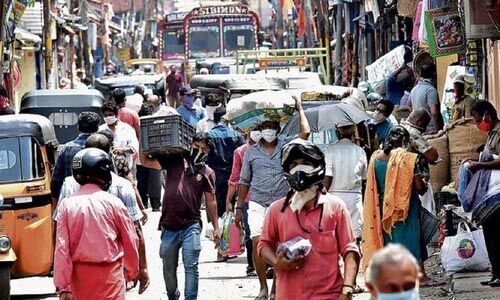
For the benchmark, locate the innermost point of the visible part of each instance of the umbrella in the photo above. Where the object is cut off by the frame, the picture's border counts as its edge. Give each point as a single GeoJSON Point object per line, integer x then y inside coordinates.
{"type": "Point", "coordinates": [326, 117]}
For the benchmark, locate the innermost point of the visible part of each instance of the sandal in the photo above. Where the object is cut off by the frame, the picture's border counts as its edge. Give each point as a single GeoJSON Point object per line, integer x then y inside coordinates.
{"type": "Point", "coordinates": [432, 283]}
{"type": "Point", "coordinates": [358, 290]}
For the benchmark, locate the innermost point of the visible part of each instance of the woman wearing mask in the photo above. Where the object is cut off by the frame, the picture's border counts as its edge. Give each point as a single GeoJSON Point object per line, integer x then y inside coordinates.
{"type": "Point", "coordinates": [483, 200]}
{"type": "Point", "coordinates": [392, 206]}
{"type": "Point", "coordinates": [191, 113]}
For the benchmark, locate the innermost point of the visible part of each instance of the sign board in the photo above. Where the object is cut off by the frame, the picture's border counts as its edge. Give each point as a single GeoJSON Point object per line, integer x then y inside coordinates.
{"type": "Point", "coordinates": [220, 10]}
{"type": "Point", "coordinates": [279, 63]}
{"type": "Point", "coordinates": [18, 10]}
{"type": "Point", "coordinates": [123, 54]}
{"type": "Point", "coordinates": [176, 17]}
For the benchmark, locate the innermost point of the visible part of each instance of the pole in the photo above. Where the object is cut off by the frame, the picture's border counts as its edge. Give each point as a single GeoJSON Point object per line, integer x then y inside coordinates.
{"type": "Point", "coordinates": [340, 43]}
{"type": "Point", "coordinates": [47, 40]}
{"type": "Point", "coordinates": [2, 34]}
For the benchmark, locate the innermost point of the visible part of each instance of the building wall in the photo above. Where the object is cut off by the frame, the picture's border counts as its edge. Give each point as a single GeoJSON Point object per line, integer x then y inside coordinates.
{"type": "Point", "coordinates": [27, 66]}
{"type": "Point", "coordinates": [493, 63]}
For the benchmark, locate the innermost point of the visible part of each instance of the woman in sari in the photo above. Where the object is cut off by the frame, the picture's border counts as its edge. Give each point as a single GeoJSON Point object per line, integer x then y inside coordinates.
{"type": "Point", "coordinates": [392, 206]}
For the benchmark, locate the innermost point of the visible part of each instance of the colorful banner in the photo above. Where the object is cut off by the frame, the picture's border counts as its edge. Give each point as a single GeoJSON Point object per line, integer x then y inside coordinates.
{"type": "Point", "coordinates": [445, 32]}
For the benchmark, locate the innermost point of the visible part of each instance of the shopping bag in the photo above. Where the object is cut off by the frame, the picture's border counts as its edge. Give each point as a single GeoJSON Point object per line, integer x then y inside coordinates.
{"type": "Point", "coordinates": [429, 224]}
{"type": "Point", "coordinates": [466, 251]}
{"type": "Point", "coordinates": [233, 239]}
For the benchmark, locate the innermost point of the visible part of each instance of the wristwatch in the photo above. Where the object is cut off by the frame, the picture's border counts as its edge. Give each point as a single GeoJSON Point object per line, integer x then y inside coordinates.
{"type": "Point", "coordinates": [347, 290]}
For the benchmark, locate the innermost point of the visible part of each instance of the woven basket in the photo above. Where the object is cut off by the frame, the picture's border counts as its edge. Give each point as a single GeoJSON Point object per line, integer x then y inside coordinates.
{"type": "Point", "coordinates": [407, 8]}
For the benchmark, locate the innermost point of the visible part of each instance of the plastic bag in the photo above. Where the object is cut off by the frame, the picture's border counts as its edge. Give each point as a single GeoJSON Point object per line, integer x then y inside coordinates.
{"type": "Point", "coordinates": [233, 239]}
{"type": "Point", "coordinates": [295, 247]}
{"type": "Point", "coordinates": [466, 251]}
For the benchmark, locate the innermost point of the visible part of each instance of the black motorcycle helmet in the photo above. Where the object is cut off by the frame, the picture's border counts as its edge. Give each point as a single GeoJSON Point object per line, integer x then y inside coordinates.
{"type": "Point", "coordinates": [92, 165]}
{"type": "Point", "coordinates": [307, 151]}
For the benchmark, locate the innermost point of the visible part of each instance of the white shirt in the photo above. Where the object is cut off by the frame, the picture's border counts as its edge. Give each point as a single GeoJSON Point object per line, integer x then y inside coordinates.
{"type": "Point", "coordinates": [346, 163]}
{"type": "Point", "coordinates": [124, 136]}
{"type": "Point", "coordinates": [204, 125]}
{"type": "Point", "coordinates": [134, 102]}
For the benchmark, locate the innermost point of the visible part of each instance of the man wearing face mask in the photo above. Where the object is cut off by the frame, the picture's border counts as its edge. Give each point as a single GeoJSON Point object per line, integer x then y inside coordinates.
{"type": "Point", "coordinates": [191, 113]}
{"type": "Point", "coordinates": [124, 141]}
{"type": "Point", "coordinates": [207, 123]}
{"type": "Point", "coordinates": [187, 181]}
{"type": "Point", "coordinates": [380, 126]}
{"type": "Point", "coordinates": [323, 219]}
{"type": "Point", "coordinates": [463, 103]}
{"type": "Point", "coordinates": [253, 138]}
{"type": "Point", "coordinates": [486, 209]}
{"type": "Point", "coordinates": [262, 179]}
{"type": "Point", "coordinates": [393, 273]}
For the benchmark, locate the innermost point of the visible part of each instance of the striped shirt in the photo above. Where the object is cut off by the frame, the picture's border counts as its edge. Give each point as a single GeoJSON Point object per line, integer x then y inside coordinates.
{"type": "Point", "coordinates": [263, 174]}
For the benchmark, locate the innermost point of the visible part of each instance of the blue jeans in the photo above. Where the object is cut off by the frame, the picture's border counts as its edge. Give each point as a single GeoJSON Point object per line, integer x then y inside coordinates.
{"type": "Point", "coordinates": [171, 242]}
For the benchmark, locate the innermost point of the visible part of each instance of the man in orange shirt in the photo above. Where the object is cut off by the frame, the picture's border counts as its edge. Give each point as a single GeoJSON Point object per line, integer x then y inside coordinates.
{"type": "Point", "coordinates": [309, 213]}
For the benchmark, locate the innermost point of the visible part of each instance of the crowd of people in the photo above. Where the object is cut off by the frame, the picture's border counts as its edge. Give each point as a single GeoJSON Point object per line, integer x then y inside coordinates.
{"type": "Point", "coordinates": [356, 202]}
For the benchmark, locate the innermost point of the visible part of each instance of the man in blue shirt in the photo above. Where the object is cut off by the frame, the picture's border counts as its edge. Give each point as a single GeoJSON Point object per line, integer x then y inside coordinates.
{"type": "Point", "coordinates": [403, 79]}
{"type": "Point", "coordinates": [191, 113]}
{"type": "Point", "coordinates": [380, 126]}
{"type": "Point", "coordinates": [88, 123]}
{"type": "Point", "coordinates": [222, 143]}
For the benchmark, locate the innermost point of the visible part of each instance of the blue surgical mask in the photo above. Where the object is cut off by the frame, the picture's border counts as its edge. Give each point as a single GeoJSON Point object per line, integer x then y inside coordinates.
{"type": "Point", "coordinates": [188, 101]}
{"type": "Point", "coordinates": [412, 294]}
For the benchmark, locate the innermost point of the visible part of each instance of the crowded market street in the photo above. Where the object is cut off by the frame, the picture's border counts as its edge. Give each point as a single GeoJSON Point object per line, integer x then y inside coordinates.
{"type": "Point", "coordinates": [250, 149]}
{"type": "Point", "coordinates": [227, 281]}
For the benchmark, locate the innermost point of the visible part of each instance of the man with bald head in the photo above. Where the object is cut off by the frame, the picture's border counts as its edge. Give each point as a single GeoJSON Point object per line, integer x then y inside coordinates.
{"type": "Point", "coordinates": [416, 125]}
{"type": "Point", "coordinates": [154, 100]}
{"type": "Point", "coordinates": [393, 273]}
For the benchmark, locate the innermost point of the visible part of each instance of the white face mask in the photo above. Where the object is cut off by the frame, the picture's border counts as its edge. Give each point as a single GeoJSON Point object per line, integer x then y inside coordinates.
{"type": "Point", "coordinates": [299, 199]}
{"type": "Point", "coordinates": [412, 294]}
{"type": "Point", "coordinates": [256, 135]}
{"type": "Point", "coordinates": [210, 110]}
{"type": "Point", "coordinates": [110, 120]}
{"type": "Point", "coordinates": [269, 135]}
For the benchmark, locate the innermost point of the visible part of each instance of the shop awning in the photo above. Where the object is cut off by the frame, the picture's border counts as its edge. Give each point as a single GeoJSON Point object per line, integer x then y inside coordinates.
{"type": "Point", "coordinates": [25, 36]}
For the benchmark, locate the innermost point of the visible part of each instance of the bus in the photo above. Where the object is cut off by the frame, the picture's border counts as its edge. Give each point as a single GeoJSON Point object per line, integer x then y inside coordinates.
{"type": "Point", "coordinates": [210, 30]}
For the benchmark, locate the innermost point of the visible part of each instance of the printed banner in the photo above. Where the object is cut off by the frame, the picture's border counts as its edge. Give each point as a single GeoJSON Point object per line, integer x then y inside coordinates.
{"type": "Point", "coordinates": [445, 32]}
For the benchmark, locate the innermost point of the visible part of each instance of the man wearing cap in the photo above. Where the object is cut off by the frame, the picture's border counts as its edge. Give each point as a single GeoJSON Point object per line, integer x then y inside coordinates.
{"type": "Point", "coordinates": [463, 103]}
{"type": "Point", "coordinates": [191, 113]}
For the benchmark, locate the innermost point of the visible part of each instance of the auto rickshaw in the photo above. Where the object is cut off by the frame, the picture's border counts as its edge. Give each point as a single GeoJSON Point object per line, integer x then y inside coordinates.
{"type": "Point", "coordinates": [62, 108]}
{"type": "Point", "coordinates": [27, 149]}
{"type": "Point", "coordinates": [154, 83]}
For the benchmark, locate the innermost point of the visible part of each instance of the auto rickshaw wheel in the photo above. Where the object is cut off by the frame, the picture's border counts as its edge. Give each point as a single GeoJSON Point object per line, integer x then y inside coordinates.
{"type": "Point", "coordinates": [4, 281]}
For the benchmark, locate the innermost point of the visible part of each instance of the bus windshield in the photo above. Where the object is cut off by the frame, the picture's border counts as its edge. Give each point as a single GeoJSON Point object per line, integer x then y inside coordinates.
{"type": "Point", "coordinates": [20, 160]}
{"type": "Point", "coordinates": [204, 42]}
{"type": "Point", "coordinates": [173, 44]}
{"type": "Point", "coordinates": [238, 37]}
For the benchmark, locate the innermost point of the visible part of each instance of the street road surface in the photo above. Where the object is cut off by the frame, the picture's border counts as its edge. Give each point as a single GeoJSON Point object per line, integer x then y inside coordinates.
{"type": "Point", "coordinates": [224, 281]}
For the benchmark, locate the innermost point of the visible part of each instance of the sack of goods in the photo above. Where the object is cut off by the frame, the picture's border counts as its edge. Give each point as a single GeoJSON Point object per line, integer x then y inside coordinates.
{"type": "Point", "coordinates": [168, 134]}
{"type": "Point", "coordinates": [440, 173]}
{"type": "Point", "coordinates": [464, 138]}
{"type": "Point", "coordinates": [251, 110]}
{"type": "Point", "coordinates": [466, 251]}
{"type": "Point", "coordinates": [233, 239]}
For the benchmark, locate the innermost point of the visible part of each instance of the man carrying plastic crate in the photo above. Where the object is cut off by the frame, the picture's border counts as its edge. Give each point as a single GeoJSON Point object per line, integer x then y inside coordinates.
{"type": "Point", "coordinates": [187, 181]}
